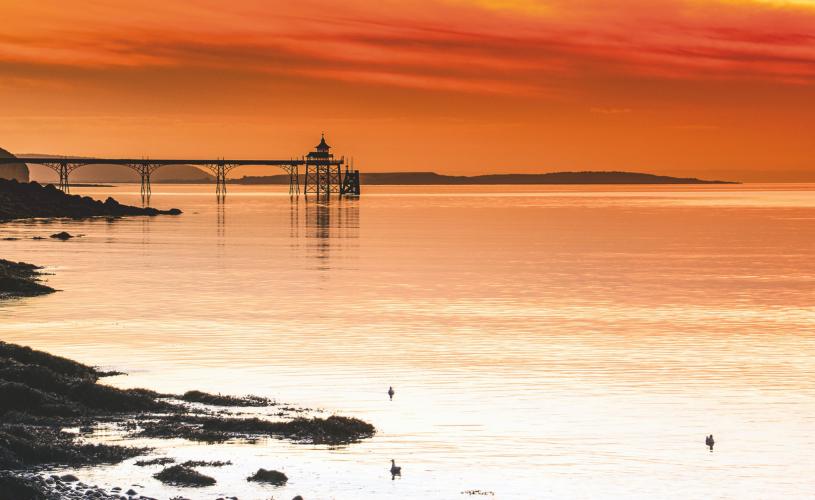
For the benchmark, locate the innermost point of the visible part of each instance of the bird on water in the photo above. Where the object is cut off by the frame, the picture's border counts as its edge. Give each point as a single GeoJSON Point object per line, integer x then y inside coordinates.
{"type": "Point", "coordinates": [391, 392]}
{"type": "Point", "coordinates": [395, 471]}
{"type": "Point", "coordinates": [710, 442]}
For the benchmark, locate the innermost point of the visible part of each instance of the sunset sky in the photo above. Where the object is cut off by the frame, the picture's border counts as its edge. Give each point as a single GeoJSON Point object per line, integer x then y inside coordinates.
{"type": "Point", "coordinates": [710, 88]}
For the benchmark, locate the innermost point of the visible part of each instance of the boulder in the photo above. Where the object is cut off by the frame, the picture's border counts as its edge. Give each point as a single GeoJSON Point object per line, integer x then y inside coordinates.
{"type": "Point", "coordinates": [178, 475]}
{"type": "Point", "coordinates": [274, 477]}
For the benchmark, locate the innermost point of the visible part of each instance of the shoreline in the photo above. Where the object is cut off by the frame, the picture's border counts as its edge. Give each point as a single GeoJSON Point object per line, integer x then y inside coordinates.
{"type": "Point", "coordinates": [43, 395]}
{"type": "Point", "coordinates": [31, 200]}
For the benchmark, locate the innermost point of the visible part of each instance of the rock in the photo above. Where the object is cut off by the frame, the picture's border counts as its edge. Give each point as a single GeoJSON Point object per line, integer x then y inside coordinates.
{"type": "Point", "coordinates": [220, 400]}
{"type": "Point", "coordinates": [332, 430]}
{"type": "Point", "coordinates": [298, 497]}
{"type": "Point", "coordinates": [14, 486]}
{"type": "Point", "coordinates": [203, 463]}
{"type": "Point", "coordinates": [62, 236]}
{"type": "Point", "coordinates": [33, 200]}
{"type": "Point", "coordinates": [18, 279]}
{"type": "Point", "coordinates": [274, 477]}
{"type": "Point", "coordinates": [156, 461]}
{"type": "Point", "coordinates": [178, 475]}
{"type": "Point", "coordinates": [42, 394]}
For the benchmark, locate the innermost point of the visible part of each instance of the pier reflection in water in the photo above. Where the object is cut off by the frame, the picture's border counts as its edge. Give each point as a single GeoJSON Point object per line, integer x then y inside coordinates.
{"type": "Point", "coordinates": [330, 223]}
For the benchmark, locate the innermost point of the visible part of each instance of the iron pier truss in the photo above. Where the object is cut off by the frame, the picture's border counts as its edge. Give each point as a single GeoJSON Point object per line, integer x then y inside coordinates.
{"type": "Point", "coordinates": [323, 172]}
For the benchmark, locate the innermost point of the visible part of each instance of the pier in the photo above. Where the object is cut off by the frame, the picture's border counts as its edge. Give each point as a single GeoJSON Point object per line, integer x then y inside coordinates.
{"type": "Point", "coordinates": [323, 173]}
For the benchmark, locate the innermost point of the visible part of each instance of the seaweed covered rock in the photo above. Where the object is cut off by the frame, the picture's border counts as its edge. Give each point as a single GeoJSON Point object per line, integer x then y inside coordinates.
{"type": "Point", "coordinates": [62, 235]}
{"type": "Point", "coordinates": [204, 463]}
{"type": "Point", "coordinates": [333, 430]}
{"type": "Point", "coordinates": [178, 475]}
{"type": "Point", "coordinates": [220, 400]}
{"type": "Point", "coordinates": [40, 384]}
{"type": "Point", "coordinates": [13, 487]}
{"type": "Point", "coordinates": [18, 279]}
{"type": "Point", "coordinates": [156, 461]}
{"type": "Point", "coordinates": [29, 445]}
{"type": "Point", "coordinates": [29, 200]}
{"type": "Point", "coordinates": [41, 394]}
{"type": "Point", "coordinates": [274, 477]}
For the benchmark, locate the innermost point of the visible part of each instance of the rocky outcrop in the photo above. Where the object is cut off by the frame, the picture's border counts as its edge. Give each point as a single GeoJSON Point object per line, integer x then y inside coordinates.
{"type": "Point", "coordinates": [178, 475]}
{"type": "Point", "coordinates": [18, 279]}
{"type": "Point", "coordinates": [274, 477]}
{"type": "Point", "coordinates": [21, 200]}
{"type": "Point", "coordinates": [42, 395]}
{"type": "Point", "coordinates": [16, 171]}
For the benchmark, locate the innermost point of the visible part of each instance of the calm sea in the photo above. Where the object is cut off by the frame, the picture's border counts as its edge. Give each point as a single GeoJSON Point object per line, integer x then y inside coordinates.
{"type": "Point", "coordinates": [543, 342]}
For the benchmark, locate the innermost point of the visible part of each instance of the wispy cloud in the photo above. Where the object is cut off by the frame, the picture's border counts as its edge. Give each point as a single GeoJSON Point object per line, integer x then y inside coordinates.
{"type": "Point", "coordinates": [610, 111]}
{"type": "Point", "coordinates": [462, 44]}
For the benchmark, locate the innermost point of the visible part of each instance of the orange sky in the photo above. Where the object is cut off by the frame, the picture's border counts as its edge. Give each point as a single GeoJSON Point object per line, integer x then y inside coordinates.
{"type": "Point", "coordinates": [711, 88]}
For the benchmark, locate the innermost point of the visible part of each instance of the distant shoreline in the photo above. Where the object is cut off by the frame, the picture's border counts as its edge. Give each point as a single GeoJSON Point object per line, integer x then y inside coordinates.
{"type": "Point", "coordinates": [554, 178]}
{"type": "Point", "coordinates": [435, 179]}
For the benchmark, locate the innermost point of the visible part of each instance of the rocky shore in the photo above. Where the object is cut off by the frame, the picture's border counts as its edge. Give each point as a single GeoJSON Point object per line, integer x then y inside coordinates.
{"type": "Point", "coordinates": [42, 396]}
{"type": "Point", "coordinates": [18, 279]}
{"type": "Point", "coordinates": [32, 485]}
{"type": "Point", "coordinates": [26, 200]}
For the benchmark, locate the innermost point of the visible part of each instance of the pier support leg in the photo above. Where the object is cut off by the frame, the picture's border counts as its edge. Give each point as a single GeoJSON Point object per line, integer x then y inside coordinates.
{"type": "Point", "coordinates": [294, 180]}
{"type": "Point", "coordinates": [220, 183]}
{"type": "Point", "coordinates": [146, 190]}
{"type": "Point", "coordinates": [63, 178]}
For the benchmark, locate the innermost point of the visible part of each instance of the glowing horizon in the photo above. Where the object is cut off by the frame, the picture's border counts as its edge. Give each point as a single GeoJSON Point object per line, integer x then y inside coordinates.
{"type": "Point", "coordinates": [713, 89]}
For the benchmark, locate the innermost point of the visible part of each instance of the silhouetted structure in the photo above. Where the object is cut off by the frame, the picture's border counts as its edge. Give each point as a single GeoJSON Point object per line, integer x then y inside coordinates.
{"type": "Point", "coordinates": [350, 183]}
{"type": "Point", "coordinates": [323, 171]}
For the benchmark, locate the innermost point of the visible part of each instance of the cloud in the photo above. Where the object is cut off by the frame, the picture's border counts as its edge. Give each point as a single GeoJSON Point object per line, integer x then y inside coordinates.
{"type": "Point", "coordinates": [430, 45]}
{"type": "Point", "coordinates": [611, 111]}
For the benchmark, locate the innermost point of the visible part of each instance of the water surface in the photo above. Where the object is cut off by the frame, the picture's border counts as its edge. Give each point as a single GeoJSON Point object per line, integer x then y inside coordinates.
{"type": "Point", "coordinates": [544, 342]}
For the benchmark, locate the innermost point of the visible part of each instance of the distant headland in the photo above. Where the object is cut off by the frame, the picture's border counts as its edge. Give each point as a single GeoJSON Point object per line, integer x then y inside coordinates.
{"type": "Point", "coordinates": [432, 178]}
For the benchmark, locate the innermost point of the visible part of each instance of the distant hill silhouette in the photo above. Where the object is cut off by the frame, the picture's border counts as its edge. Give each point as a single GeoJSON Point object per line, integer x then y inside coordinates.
{"type": "Point", "coordinates": [117, 173]}
{"type": "Point", "coordinates": [16, 171]}
{"type": "Point", "coordinates": [432, 178]}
